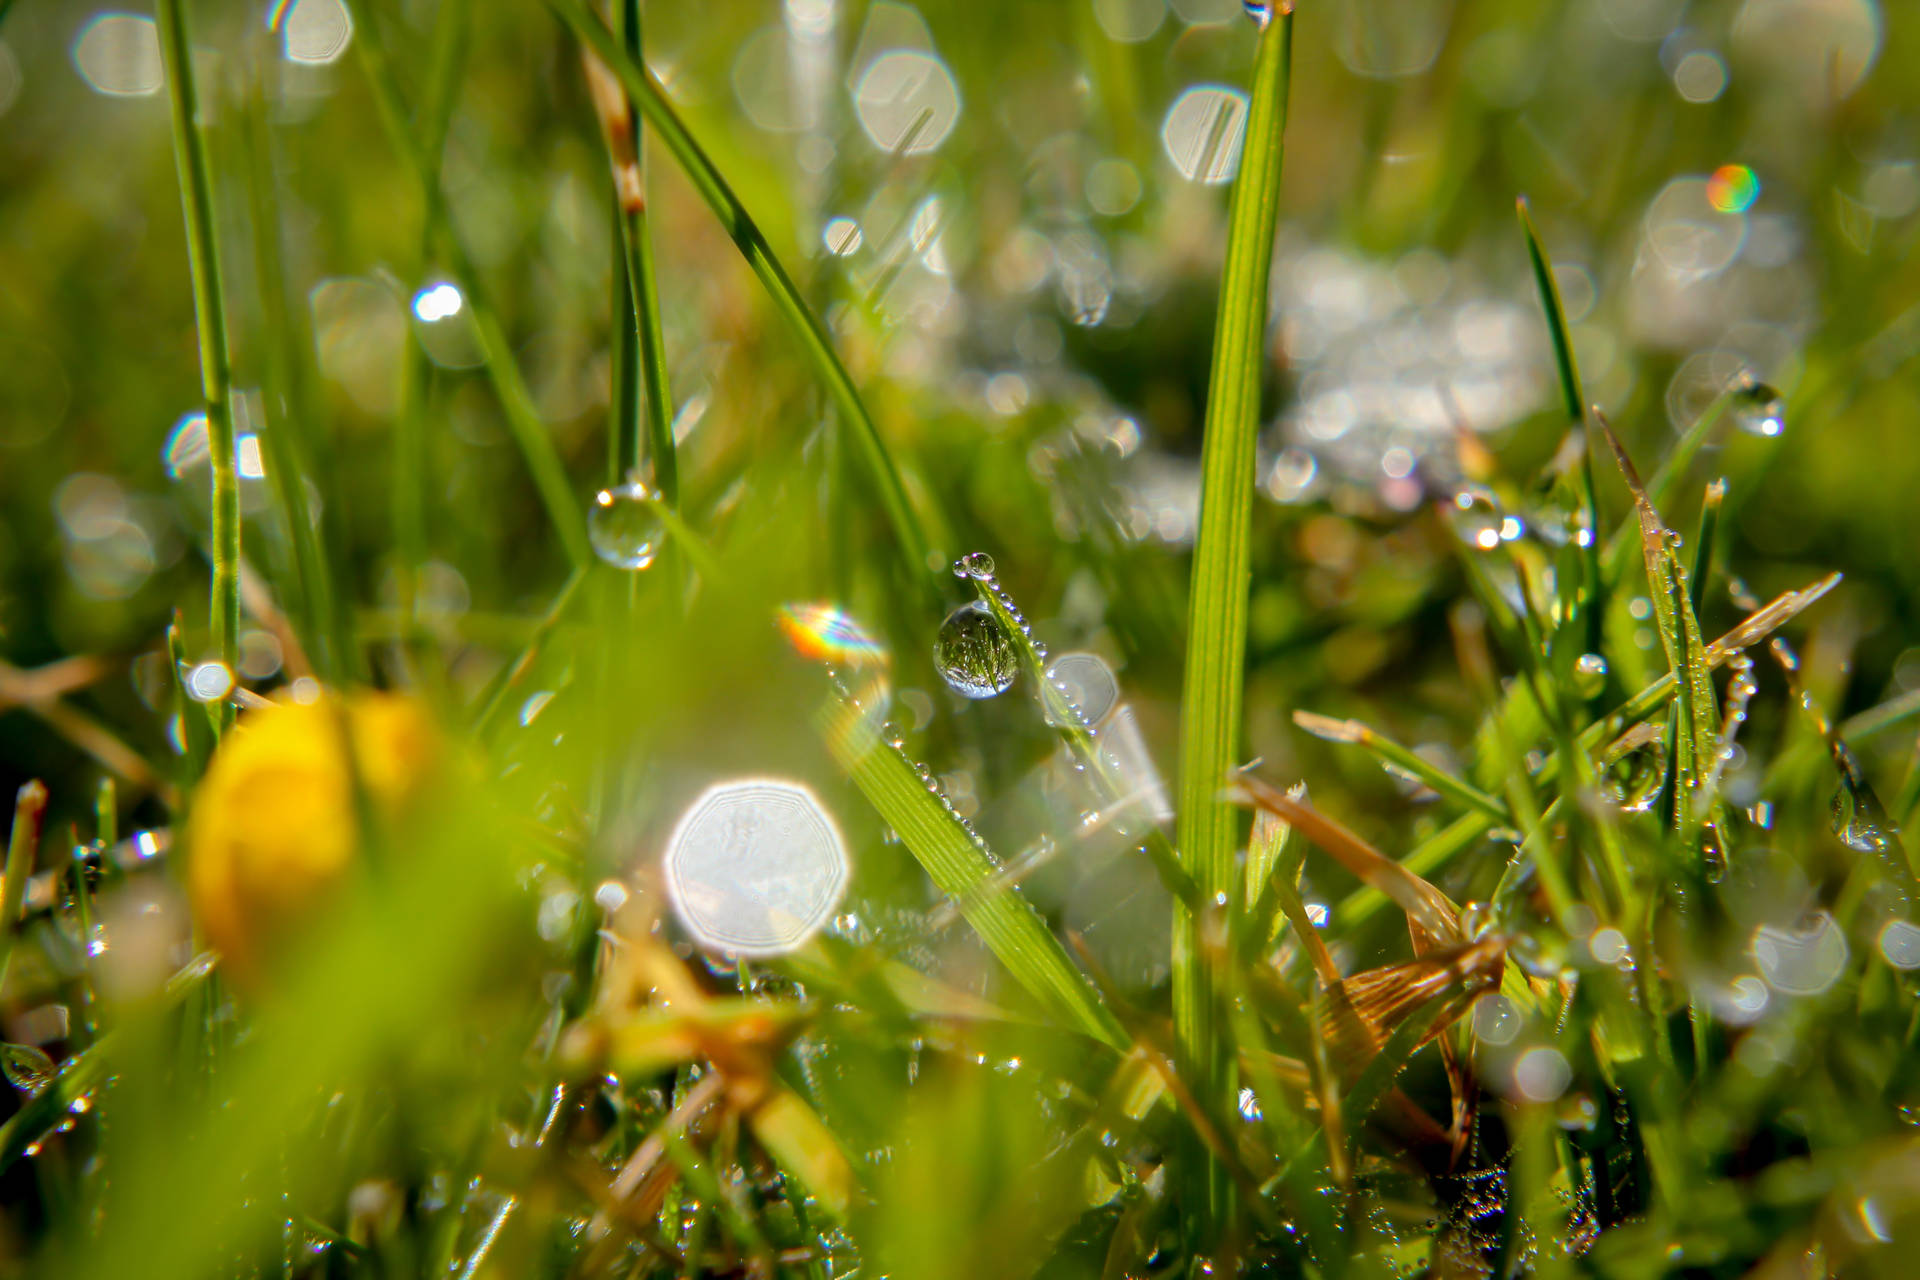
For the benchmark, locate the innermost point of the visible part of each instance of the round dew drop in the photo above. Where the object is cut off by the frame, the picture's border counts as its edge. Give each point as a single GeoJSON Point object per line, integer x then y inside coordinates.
{"type": "Point", "coordinates": [623, 528]}
{"type": "Point", "coordinates": [1758, 409]}
{"type": "Point", "coordinates": [974, 654]}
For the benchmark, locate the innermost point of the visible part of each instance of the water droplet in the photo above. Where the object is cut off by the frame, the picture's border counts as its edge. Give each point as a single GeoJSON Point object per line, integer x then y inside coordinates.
{"type": "Point", "coordinates": [1496, 1019]}
{"type": "Point", "coordinates": [1633, 773]}
{"type": "Point", "coordinates": [27, 1068]}
{"type": "Point", "coordinates": [1758, 409]}
{"type": "Point", "coordinates": [1478, 518]}
{"type": "Point", "coordinates": [1477, 920]}
{"type": "Point", "coordinates": [1261, 11]}
{"type": "Point", "coordinates": [974, 654]}
{"type": "Point", "coordinates": [1590, 675]}
{"type": "Point", "coordinates": [977, 565]}
{"type": "Point", "coordinates": [623, 527]}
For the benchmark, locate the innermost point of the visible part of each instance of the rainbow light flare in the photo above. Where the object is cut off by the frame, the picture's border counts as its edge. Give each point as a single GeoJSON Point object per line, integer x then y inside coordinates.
{"type": "Point", "coordinates": [1732, 188]}
{"type": "Point", "coordinates": [827, 633]}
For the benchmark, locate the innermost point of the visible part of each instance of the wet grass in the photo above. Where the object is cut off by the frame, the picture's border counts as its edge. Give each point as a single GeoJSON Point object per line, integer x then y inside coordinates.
{"type": "Point", "coordinates": [1473, 875]}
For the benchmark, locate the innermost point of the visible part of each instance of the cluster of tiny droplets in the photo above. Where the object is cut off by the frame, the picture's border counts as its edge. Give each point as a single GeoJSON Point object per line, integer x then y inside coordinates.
{"type": "Point", "coordinates": [891, 734]}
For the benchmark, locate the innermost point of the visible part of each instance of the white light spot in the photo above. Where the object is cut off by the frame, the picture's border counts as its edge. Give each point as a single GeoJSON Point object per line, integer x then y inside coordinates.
{"type": "Point", "coordinates": [1803, 961]}
{"type": "Point", "coordinates": [438, 302]}
{"type": "Point", "coordinates": [842, 236]}
{"type": "Point", "coordinates": [755, 866]}
{"type": "Point", "coordinates": [315, 31]}
{"type": "Point", "coordinates": [907, 102]}
{"type": "Point", "coordinates": [209, 682]}
{"type": "Point", "coordinates": [118, 54]}
{"type": "Point", "coordinates": [1541, 1074]}
{"type": "Point", "coordinates": [1203, 131]}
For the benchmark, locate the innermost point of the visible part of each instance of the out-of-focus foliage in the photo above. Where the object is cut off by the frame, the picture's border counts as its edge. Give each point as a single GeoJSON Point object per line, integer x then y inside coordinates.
{"type": "Point", "coordinates": [1667, 1039]}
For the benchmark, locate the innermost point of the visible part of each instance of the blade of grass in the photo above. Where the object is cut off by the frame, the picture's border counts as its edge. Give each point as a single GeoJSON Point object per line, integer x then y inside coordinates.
{"type": "Point", "coordinates": [210, 320]}
{"type": "Point", "coordinates": [23, 842]}
{"type": "Point", "coordinates": [1213, 685]}
{"type": "Point", "coordinates": [960, 865]}
{"type": "Point", "coordinates": [1397, 757]}
{"type": "Point", "coordinates": [1433, 853]}
{"type": "Point", "coordinates": [1697, 742]}
{"type": "Point", "coordinates": [496, 351]}
{"type": "Point", "coordinates": [646, 93]}
{"type": "Point", "coordinates": [1587, 609]}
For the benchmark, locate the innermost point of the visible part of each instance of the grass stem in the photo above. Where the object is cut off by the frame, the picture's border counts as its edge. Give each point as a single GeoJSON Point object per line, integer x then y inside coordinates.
{"type": "Point", "coordinates": [210, 318]}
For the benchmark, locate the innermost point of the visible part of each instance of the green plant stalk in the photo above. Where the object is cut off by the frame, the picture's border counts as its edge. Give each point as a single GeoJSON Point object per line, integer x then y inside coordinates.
{"type": "Point", "coordinates": [210, 319]}
{"type": "Point", "coordinates": [1212, 690]}
{"type": "Point", "coordinates": [815, 343]}
{"type": "Point", "coordinates": [496, 351]}
{"type": "Point", "coordinates": [643, 307]}
{"type": "Point", "coordinates": [961, 869]}
{"type": "Point", "coordinates": [1573, 397]}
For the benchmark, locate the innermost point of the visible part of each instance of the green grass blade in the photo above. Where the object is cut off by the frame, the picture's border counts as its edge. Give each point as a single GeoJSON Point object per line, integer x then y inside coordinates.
{"type": "Point", "coordinates": [1397, 758]}
{"type": "Point", "coordinates": [496, 351]}
{"type": "Point", "coordinates": [1437, 850]}
{"type": "Point", "coordinates": [1667, 583]}
{"type": "Point", "coordinates": [961, 867]}
{"type": "Point", "coordinates": [1588, 605]}
{"type": "Point", "coordinates": [1211, 693]}
{"type": "Point", "coordinates": [815, 343]}
{"type": "Point", "coordinates": [210, 319]}
{"type": "Point", "coordinates": [1672, 468]}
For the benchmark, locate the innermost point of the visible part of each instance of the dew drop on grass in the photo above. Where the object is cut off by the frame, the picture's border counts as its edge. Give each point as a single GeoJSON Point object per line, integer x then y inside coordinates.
{"type": "Point", "coordinates": [1085, 681]}
{"type": "Point", "coordinates": [1758, 409]}
{"type": "Point", "coordinates": [27, 1069]}
{"type": "Point", "coordinates": [1261, 11]}
{"type": "Point", "coordinates": [1589, 675]}
{"type": "Point", "coordinates": [623, 527]}
{"type": "Point", "coordinates": [974, 654]}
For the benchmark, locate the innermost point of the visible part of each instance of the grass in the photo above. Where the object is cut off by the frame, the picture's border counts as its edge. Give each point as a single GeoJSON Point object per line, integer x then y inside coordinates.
{"type": "Point", "coordinates": [1531, 894]}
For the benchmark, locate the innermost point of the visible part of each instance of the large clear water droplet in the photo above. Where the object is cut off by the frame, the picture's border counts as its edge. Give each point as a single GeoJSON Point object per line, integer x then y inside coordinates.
{"type": "Point", "coordinates": [974, 654]}
{"type": "Point", "coordinates": [977, 565]}
{"type": "Point", "coordinates": [27, 1069]}
{"type": "Point", "coordinates": [623, 527]}
{"type": "Point", "coordinates": [1758, 409]}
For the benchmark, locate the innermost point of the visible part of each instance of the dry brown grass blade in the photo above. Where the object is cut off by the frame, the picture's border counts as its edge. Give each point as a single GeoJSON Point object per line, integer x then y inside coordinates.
{"type": "Point", "coordinates": [1429, 912]}
{"type": "Point", "coordinates": [1360, 1013]}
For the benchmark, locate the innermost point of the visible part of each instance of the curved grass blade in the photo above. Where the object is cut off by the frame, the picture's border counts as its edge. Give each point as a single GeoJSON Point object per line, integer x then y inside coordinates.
{"type": "Point", "coordinates": [647, 94]}
{"type": "Point", "coordinates": [1211, 692]}
{"type": "Point", "coordinates": [960, 865]}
